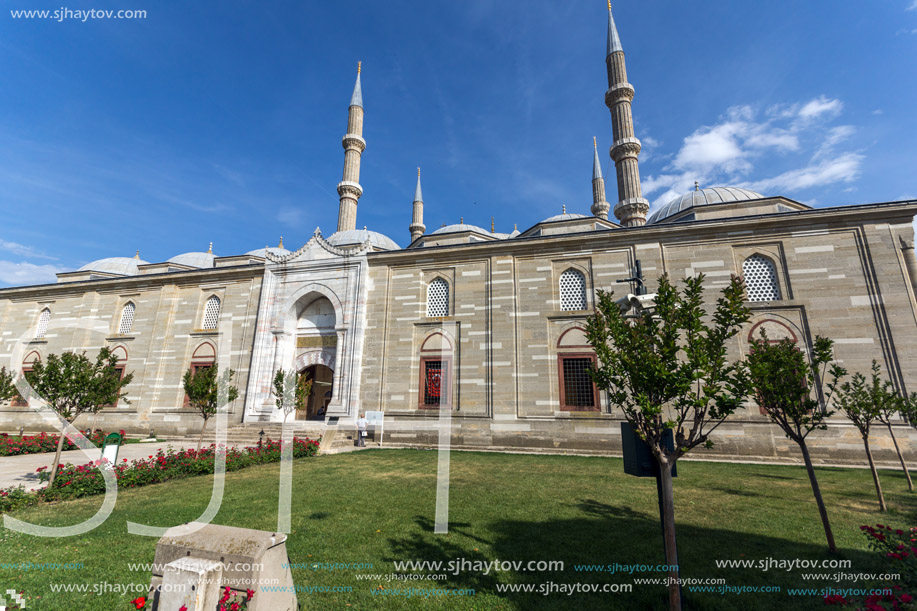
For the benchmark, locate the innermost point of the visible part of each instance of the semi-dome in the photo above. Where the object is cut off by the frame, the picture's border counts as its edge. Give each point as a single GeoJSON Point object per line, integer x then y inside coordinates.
{"type": "Point", "coordinates": [261, 252]}
{"type": "Point", "coordinates": [194, 259]}
{"type": "Point", "coordinates": [360, 236]}
{"type": "Point", "coordinates": [703, 197]}
{"type": "Point", "coordinates": [566, 216]}
{"type": "Point", "coordinates": [124, 266]}
{"type": "Point", "coordinates": [459, 227]}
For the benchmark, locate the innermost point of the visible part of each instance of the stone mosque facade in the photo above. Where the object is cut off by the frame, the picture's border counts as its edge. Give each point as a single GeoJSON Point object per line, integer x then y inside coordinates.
{"type": "Point", "coordinates": [486, 325]}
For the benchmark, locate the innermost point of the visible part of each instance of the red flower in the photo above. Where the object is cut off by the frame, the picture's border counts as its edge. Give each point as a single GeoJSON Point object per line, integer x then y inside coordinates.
{"type": "Point", "coordinates": [139, 602]}
{"type": "Point", "coordinates": [183, 608]}
{"type": "Point", "coordinates": [249, 594]}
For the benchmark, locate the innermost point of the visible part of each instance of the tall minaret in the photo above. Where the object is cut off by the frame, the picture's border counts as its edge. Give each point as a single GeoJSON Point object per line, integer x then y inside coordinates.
{"type": "Point", "coordinates": [631, 208]}
{"type": "Point", "coordinates": [417, 227]}
{"type": "Point", "coordinates": [599, 205]}
{"type": "Point", "coordinates": [349, 188]}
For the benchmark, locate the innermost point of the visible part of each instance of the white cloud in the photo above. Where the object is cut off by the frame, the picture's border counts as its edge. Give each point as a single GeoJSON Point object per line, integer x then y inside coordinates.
{"type": "Point", "coordinates": [845, 168]}
{"type": "Point", "coordinates": [730, 151]}
{"type": "Point", "coordinates": [21, 274]}
{"type": "Point", "coordinates": [22, 250]}
{"type": "Point", "coordinates": [820, 106]}
{"type": "Point", "coordinates": [912, 7]}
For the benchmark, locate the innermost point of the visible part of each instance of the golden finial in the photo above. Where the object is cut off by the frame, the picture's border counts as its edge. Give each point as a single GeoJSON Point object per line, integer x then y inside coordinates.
{"type": "Point", "coordinates": [515, 228]}
{"type": "Point", "coordinates": [609, 5]}
{"type": "Point", "coordinates": [594, 144]}
{"type": "Point", "coordinates": [137, 255]}
{"type": "Point", "coordinates": [360, 64]}
{"type": "Point", "coordinates": [461, 220]}
{"type": "Point", "coordinates": [281, 242]}
{"type": "Point", "coordinates": [492, 225]}
{"type": "Point", "coordinates": [696, 186]}
{"type": "Point", "coordinates": [418, 172]}
{"type": "Point", "coordinates": [210, 249]}
{"type": "Point", "coordinates": [564, 208]}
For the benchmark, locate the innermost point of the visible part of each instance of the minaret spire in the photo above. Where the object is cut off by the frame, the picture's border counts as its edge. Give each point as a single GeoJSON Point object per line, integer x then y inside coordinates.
{"type": "Point", "coordinates": [599, 205]}
{"type": "Point", "coordinates": [631, 208]}
{"type": "Point", "coordinates": [417, 227]}
{"type": "Point", "coordinates": [349, 188]}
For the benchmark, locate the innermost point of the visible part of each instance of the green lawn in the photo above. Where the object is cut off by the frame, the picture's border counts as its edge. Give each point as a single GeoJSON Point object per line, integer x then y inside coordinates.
{"type": "Point", "coordinates": [377, 507]}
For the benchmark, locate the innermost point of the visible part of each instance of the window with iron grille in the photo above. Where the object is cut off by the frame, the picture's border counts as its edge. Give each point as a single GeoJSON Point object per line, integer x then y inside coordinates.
{"type": "Point", "coordinates": [578, 390]}
{"type": "Point", "coordinates": [43, 319]}
{"type": "Point", "coordinates": [438, 298]}
{"type": "Point", "coordinates": [127, 319]}
{"type": "Point", "coordinates": [572, 291]}
{"type": "Point", "coordinates": [212, 313]}
{"type": "Point", "coordinates": [760, 279]}
{"type": "Point", "coordinates": [435, 383]}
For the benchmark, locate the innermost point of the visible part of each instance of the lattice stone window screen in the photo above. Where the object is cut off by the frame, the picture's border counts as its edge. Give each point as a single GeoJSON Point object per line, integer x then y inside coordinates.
{"type": "Point", "coordinates": [572, 291]}
{"type": "Point", "coordinates": [212, 313]}
{"type": "Point", "coordinates": [760, 279]}
{"type": "Point", "coordinates": [438, 298]}
{"type": "Point", "coordinates": [127, 319]}
{"type": "Point", "coordinates": [43, 319]}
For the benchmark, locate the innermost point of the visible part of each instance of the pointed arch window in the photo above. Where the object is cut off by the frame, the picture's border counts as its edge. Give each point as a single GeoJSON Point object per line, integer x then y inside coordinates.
{"type": "Point", "coordinates": [438, 298]}
{"type": "Point", "coordinates": [211, 313]}
{"type": "Point", "coordinates": [760, 279]}
{"type": "Point", "coordinates": [572, 290]}
{"type": "Point", "coordinates": [43, 319]}
{"type": "Point", "coordinates": [575, 357]}
{"type": "Point", "coordinates": [127, 318]}
{"type": "Point", "coordinates": [435, 388]}
{"type": "Point", "coordinates": [28, 363]}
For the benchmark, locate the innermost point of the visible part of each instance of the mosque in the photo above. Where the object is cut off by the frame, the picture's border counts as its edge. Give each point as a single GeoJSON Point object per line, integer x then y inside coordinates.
{"type": "Point", "coordinates": [484, 324]}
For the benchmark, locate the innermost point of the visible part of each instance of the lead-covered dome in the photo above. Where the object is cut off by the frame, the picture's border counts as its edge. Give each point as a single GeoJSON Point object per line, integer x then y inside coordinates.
{"type": "Point", "coordinates": [124, 266]}
{"type": "Point", "coordinates": [459, 227]}
{"type": "Point", "coordinates": [201, 260]}
{"type": "Point", "coordinates": [360, 236]}
{"type": "Point", "coordinates": [566, 216]}
{"type": "Point", "coordinates": [703, 197]}
{"type": "Point", "coordinates": [261, 252]}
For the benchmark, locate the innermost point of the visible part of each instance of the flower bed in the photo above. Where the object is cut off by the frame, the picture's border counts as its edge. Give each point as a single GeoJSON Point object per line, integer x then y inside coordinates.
{"type": "Point", "coordinates": [86, 480]}
{"type": "Point", "coordinates": [43, 442]}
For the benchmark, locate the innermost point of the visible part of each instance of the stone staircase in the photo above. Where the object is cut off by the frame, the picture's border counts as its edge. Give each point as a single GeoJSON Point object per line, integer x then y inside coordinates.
{"type": "Point", "coordinates": [333, 439]}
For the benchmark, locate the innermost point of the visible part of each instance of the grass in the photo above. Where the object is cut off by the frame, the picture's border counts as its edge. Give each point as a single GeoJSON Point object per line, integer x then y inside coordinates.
{"type": "Point", "coordinates": [378, 507]}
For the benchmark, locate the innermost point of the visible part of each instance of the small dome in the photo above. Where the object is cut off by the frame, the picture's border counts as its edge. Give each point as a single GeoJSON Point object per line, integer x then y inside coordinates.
{"type": "Point", "coordinates": [566, 216]}
{"type": "Point", "coordinates": [194, 259]}
{"type": "Point", "coordinates": [261, 252]}
{"type": "Point", "coordinates": [703, 197]}
{"type": "Point", "coordinates": [459, 227]}
{"type": "Point", "coordinates": [124, 266]}
{"type": "Point", "coordinates": [360, 236]}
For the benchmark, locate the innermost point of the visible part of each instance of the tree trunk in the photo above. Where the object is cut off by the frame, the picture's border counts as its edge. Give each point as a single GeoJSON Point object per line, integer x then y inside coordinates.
{"type": "Point", "coordinates": [875, 475]}
{"type": "Point", "coordinates": [668, 525]}
{"type": "Point", "coordinates": [815, 490]}
{"type": "Point", "coordinates": [201, 438]}
{"type": "Point", "coordinates": [60, 446]}
{"type": "Point", "coordinates": [910, 484]}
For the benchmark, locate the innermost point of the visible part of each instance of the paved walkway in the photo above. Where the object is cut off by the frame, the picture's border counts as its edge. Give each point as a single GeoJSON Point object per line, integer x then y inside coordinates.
{"type": "Point", "coordinates": [20, 470]}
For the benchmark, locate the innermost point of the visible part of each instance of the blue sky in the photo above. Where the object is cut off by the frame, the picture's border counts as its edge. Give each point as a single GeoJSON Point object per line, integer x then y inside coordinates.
{"type": "Point", "coordinates": [221, 122]}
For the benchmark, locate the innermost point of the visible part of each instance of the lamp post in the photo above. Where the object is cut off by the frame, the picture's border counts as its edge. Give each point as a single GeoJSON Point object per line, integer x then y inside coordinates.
{"type": "Point", "coordinates": [260, 438]}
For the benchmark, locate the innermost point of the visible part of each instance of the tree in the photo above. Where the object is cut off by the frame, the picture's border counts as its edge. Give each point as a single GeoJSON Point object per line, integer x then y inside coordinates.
{"type": "Point", "coordinates": [906, 407]}
{"type": "Point", "coordinates": [784, 383]}
{"type": "Point", "coordinates": [204, 388]}
{"type": "Point", "coordinates": [863, 402]}
{"type": "Point", "coordinates": [290, 391]}
{"type": "Point", "coordinates": [667, 369]}
{"type": "Point", "coordinates": [7, 385]}
{"type": "Point", "coordinates": [71, 385]}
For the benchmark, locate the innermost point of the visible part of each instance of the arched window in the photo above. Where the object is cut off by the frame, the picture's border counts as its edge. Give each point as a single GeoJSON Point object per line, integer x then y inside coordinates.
{"type": "Point", "coordinates": [203, 357]}
{"type": "Point", "coordinates": [28, 363]}
{"type": "Point", "coordinates": [575, 357]}
{"type": "Point", "coordinates": [43, 319]}
{"type": "Point", "coordinates": [127, 318]}
{"type": "Point", "coordinates": [435, 388]}
{"type": "Point", "coordinates": [121, 353]}
{"type": "Point", "coordinates": [760, 279]}
{"type": "Point", "coordinates": [438, 298]}
{"type": "Point", "coordinates": [211, 313]}
{"type": "Point", "coordinates": [572, 290]}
